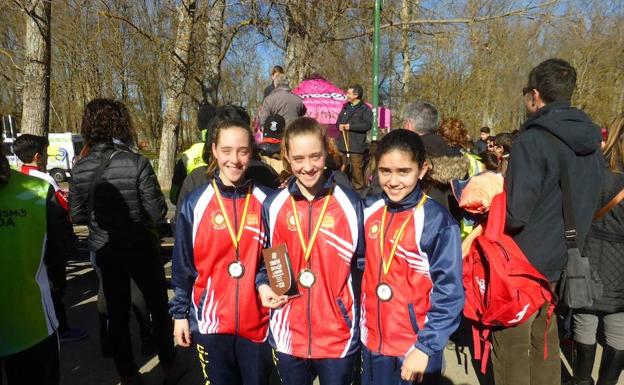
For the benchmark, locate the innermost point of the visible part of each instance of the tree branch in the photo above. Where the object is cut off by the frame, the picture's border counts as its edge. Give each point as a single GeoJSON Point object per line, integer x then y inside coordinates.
{"type": "Point", "coordinates": [10, 56]}
{"type": "Point", "coordinates": [463, 20]}
{"type": "Point", "coordinates": [131, 24]}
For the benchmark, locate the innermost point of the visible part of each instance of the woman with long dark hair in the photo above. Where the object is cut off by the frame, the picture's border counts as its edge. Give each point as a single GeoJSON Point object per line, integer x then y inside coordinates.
{"type": "Point", "coordinates": [115, 192]}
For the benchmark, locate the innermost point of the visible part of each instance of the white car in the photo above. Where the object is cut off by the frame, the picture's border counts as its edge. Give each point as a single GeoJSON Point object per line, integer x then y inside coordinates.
{"type": "Point", "coordinates": [63, 148]}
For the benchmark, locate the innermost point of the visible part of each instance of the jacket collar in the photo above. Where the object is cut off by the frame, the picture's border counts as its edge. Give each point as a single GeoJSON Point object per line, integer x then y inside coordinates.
{"type": "Point", "coordinates": [359, 105]}
{"type": "Point", "coordinates": [231, 191]}
{"type": "Point", "coordinates": [295, 191]}
{"type": "Point", "coordinates": [101, 146]}
{"type": "Point", "coordinates": [27, 168]}
{"type": "Point", "coordinates": [547, 109]}
{"type": "Point", "coordinates": [410, 201]}
{"type": "Point", "coordinates": [282, 88]}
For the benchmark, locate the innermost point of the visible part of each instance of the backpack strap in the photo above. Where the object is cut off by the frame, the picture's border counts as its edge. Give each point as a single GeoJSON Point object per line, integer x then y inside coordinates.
{"type": "Point", "coordinates": [482, 345]}
{"type": "Point", "coordinates": [568, 211]}
{"type": "Point", "coordinates": [495, 225]}
{"type": "Point", "coordinates": [612, 203]}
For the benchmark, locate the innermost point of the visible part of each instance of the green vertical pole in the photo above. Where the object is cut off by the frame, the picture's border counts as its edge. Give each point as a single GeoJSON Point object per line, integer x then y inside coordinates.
{"type": "Point", "coordinates": [376, 41]}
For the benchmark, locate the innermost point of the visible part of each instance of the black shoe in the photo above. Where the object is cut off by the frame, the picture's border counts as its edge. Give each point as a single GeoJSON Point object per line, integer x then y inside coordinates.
{"type": "Point", "coordinates": [583, 363]}
{"type": "Point", "coordinates": [610, 366]}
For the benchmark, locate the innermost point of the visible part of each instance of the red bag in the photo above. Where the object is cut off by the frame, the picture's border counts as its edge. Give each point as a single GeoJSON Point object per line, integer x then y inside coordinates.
{"type": "Point", "coordinates": [502, 288]}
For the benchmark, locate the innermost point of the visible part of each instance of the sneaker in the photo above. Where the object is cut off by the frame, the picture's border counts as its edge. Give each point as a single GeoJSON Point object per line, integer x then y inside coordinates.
{"type": "Point", "coordinates": [71, 335]}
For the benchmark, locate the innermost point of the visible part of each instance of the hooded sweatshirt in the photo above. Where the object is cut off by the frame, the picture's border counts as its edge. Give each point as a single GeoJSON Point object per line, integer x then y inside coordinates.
{"type": "Point", "coordinates": [534, 198]}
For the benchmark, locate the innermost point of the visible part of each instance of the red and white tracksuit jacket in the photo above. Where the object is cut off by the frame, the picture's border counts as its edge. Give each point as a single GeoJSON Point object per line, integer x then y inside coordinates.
{"type": "Point", "coordinates": [215, 302]}
{"type": "Point", "coordinates": [61, 196]}
{"type": "Point", "coordinates": [323, 321]}
{"type": "Point", "coordinates": [425, 276]}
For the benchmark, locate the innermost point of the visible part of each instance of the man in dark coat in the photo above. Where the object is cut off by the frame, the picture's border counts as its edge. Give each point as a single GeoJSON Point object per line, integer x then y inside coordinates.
{"type": "Point", "coordinates": [275, 71]}
{"type": "Point", "coordinates": [354, 121]}
{"type": "Point", "coordinates": [534, 210]}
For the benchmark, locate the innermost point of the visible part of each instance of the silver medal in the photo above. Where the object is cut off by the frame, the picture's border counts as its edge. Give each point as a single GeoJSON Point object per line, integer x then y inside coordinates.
{"type": "Point", "coordinates": [307, 278]}
{"type": "Point", "coordinates": [236, 269]}
{"type": "Point", "coordinates": [384, 292]}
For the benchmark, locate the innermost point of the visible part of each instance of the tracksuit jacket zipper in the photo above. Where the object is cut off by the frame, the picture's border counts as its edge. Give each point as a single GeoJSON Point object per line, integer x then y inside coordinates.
{"type": "Point", "coordinates": [310, 289]}
{"type": "Point", "coordinates": [379, 281]}
{"type": "Point", "coordinates": [237, 258]}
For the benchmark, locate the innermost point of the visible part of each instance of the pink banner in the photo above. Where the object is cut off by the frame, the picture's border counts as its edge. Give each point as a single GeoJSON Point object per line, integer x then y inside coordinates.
{"type": "Point", "coordinates": [324, 100]}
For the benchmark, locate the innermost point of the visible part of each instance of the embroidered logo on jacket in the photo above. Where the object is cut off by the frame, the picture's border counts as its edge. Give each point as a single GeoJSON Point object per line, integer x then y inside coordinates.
{"type": "Point", "coordinates": [291, 222]}
{"type": "Point", "coordinates": [252, 219]}
{"type": "Point", "coordinates": [218, 221]}
{"type": "Point", "coordinates": [328, 222]}
{"type": "Point", "coordinates": [373, 230]}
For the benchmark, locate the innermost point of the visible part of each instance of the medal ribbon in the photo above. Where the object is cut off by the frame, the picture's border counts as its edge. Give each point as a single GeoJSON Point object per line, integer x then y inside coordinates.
{"type": "Point", "coordinates": [397, 237]}
{"type": "Point", "coordinates": [235, 237]}
{"type": "Point", "coordinates": [307, 249]}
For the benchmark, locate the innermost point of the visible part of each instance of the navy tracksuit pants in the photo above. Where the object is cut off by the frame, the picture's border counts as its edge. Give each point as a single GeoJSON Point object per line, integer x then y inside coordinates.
{"type": "Point", "coordinates": [302, 371]}
{"type": "Point", "coordinates": [233, 360]}
{"type": "Point", "coordinates": [378, 369]}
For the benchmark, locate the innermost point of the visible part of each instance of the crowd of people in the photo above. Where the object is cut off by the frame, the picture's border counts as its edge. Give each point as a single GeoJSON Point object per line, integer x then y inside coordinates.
{"type": "Point", "coordinates": [375, 235]}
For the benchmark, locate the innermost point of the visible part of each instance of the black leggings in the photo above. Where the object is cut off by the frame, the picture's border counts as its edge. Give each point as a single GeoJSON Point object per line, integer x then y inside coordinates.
{"type": "Point", "coordinates": [144, 266]}
{"type": "Point", "coordinates": [139, 308]}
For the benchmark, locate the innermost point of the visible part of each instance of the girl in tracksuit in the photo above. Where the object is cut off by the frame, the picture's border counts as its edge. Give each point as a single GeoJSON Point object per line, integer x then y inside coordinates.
{"type": "Point", "coordinates": [219, 241]}
{"type": "Point", "coordinates": [412, 295]}
{"type": "Point", "coordinates": [316, 332]}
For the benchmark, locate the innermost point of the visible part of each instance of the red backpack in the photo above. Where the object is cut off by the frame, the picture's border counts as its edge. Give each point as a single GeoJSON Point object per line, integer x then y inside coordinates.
{"type": "Point", "coordinates": [502, 288]}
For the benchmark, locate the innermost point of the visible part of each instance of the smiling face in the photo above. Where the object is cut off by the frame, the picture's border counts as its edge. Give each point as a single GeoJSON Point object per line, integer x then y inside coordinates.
{"type": "Point", "coordinates": [306, 154]}
{"type": "Point", "coordinates": [232, 152]}
{"type": "Point", "coordinates": [398, 174]}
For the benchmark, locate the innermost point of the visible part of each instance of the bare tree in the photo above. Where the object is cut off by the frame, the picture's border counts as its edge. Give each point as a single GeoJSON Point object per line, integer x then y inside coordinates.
{"type": "Point", "coordinates": [173, 95]}
{"type": "Point", "coordinates": [214, 52]}
{"type": "Point", "coordinates": [36, 90]}
{"type": "Point", "coordinates": [406, 15]}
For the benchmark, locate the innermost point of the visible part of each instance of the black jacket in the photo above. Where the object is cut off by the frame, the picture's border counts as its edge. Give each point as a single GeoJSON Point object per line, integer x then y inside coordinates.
{"type": "Point", "coordinates": [360, 120]}
{"type": "Point", "coordinates": [534, 200]}
{"type": "Point", "coordinates": [127, 200]}
{"type": "Point", "coordinates": [269, 89]}
{"type": "Point", "coordinates": [604, 247]}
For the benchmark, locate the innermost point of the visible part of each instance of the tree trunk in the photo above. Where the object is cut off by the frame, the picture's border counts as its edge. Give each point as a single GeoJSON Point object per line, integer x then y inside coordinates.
{"type": "Point", "coordinates": [214, 46]}
{"type": "Point", "coordinates": [174, 92]}
{"type": "Point", "coordinates": [297, 42]}
{"type": "Point", "coordinates": [36, 91]}
{"type": "Point", "coordinates": [406, 15]}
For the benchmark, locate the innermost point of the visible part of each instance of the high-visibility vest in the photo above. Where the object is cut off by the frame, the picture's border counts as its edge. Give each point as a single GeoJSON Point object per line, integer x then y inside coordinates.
{"type": "Point", "coordinates": [25, 301]}
{"type": "Point", "coordinates": [476, 166]}
{"type": "Point", "coordinates": [192, 158]}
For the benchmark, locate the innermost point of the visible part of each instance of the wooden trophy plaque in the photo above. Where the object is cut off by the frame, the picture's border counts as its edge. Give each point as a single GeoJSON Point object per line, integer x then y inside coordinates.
{"type": "Point", "coordinates": [279, 270]}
